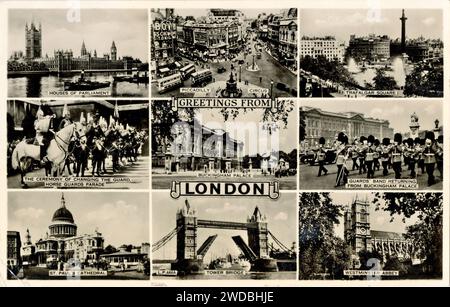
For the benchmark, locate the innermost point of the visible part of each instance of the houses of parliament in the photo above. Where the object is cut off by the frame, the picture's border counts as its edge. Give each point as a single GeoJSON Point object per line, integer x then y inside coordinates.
{"type": "Point", "coordinates": [65, 60]}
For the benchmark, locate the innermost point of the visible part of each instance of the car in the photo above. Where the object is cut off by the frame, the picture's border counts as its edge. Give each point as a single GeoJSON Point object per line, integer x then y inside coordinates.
{"type": "Point", "coordinates": [281, 86]}
{"type": "Point", "coordinates": [310, 157]}
{"type": "Point", "coordinates": [241, 62]}
{"type": "Point", "coordinates": [221, 69]}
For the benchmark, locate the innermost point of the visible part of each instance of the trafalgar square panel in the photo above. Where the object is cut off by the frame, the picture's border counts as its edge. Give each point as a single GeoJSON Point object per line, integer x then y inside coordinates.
{"type": "Point", "coordinates": [372, 52]}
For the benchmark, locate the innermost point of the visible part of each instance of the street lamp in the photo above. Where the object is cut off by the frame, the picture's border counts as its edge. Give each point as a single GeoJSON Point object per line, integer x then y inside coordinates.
{"type": "Point", "coordinates": [240, 66]}
{"type": "Point", "coordinates": [271, 89]}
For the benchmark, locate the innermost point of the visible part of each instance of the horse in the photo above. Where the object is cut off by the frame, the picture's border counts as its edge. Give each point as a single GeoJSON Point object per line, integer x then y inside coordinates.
{"type": "Point", "coordinates": [57, 152]}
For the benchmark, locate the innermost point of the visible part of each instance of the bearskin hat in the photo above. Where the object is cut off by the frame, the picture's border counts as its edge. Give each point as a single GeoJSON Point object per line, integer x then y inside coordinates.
{"type": "Point", "coordinates": [345, 140]}
{"type": "Point", "coordinates": [322, 141]}
{"type": "Point", "coordinates": [410, 142]}
{"type": "Point", "coordinates": [417, 140]}
{"type": "Point", "coordinates": [386, 141]}
{"type": "Point", "coordinates": [422, 142]}
{"type": "Point", "coordinates": [376, 142]}
{"type": "Point", "coordinates": [430, 135]}
{"type": "Point", "coordinates": [340, 137]}
{"type": "Point", "coordinates": [370, 139]}
{"type": "Point", "coordinates": [440, 139]}
{"type": "Point", "coordinates": [362, 138]}
{"type": "Point", "coordinates": [398, 138]}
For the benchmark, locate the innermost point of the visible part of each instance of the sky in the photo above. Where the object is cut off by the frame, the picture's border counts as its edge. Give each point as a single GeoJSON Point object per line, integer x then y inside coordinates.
{"type": "Point", "coordinates": [379, 220]}
{"type": "Point", "coordinates": [396, 112]}
{"type": "Point", "coordinates": [341, 23]}
{"type": "Point", "coordinates": [248, 13]}
{"type": "Point", "coordinates": [98, 28]}
{"type": "Point", "coordinates": [281, 215]}
{"type": "Point", "coordinates": [122, 218]}
{"type": "Point", "coordinates": [252, 145]}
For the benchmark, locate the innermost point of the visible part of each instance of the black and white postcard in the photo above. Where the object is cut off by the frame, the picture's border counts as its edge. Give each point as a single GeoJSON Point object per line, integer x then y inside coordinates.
{"type": "Point", "coordinates": [370, 236]}
{"type": "Point", "coordinates": [223, 237]}
{"type": "Point", "coordinates": [381, 145]}
{"type": "Point", "coordinates": [96, 52]}
{"type": "Point", "coordinates": [78, 144]}
{"type": "Point", "coordinates": [78, 236]}
{"type": "Point", "coordinates": [351, 53]}
{"type": "Point", "coordinates": [224, 52]}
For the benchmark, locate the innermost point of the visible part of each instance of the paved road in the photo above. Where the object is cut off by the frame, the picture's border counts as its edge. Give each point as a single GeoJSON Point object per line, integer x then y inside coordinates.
{"type": "Point", "coordinates": [270, 70]}
{"type": "Point", "coordinates": [310, 181]}
{"type": "Point", "coordinates": [137, 173]}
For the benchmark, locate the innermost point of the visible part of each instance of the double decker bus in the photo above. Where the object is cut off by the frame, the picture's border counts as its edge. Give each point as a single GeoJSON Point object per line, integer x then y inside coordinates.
{"type": "Point", "coordinates": [201, 78]}
{"type": "Point", "coordinates": [186, 71]}
{"type": "Point", "coordinates": [170, 82]}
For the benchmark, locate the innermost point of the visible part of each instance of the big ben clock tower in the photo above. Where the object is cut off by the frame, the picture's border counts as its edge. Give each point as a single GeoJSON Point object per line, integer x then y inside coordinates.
{"type": "Point", "coordinates": [357, 226]}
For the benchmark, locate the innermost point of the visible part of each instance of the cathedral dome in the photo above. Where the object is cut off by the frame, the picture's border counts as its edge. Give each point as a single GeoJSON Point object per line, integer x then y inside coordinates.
{"type": "Point", "coordinates": [62, 214]}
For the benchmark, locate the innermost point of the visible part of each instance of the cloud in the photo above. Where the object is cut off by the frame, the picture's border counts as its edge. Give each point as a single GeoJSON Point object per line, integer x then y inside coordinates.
{"type": "Point", "coordinates": [113, 212]}
{"type": "Point", "coordinates": [281, 216]}
{"type": "Point", "coordinates": [227, 208]}
{"type": "Point", "coordinates": [433, 110]}
{"type": "Point", "coordinates": [355, 19]}
{"type": "Point", "coordinates": [384, 113]}
{"type": "Point", "coordinates": [429, 21]}
{"type": "Point", "coordinates": [380, 220]}
{"type": "Point", "coordinates": [29, 213]}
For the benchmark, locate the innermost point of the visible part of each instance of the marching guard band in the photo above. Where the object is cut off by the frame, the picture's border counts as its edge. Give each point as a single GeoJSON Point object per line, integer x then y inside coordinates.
{"type": "Point", "coordinates": [368, 155]}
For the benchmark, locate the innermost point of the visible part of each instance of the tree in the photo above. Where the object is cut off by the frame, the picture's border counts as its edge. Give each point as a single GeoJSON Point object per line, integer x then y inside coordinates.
{"type": "Point", "coordinates": [365, 256]}
{"type": "Point", "coordinates": [164, 118]}
{"type": "Point", "coordinates": [110, 249]}
{"type": "Point", "coordinates": [293, 158]}
{"type": "Point", "coordinates": [394, 264]}
{"type": "Point", "coordinates": [302, 126]}
{"type": "Point", "coordinates": [320, 252]}
{"type": "Point", "coordinates": [426, 233]}
{"type": "Point", "coordinates": [328, 70]}
{"type": "Point", "coordinates": [382, 81]}
{"type": "Point", "coordinates": [425, 80]}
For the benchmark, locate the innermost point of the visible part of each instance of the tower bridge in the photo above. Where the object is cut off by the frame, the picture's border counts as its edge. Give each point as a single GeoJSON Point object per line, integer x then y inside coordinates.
{"type": "Point", "coordinates": [190, 257]}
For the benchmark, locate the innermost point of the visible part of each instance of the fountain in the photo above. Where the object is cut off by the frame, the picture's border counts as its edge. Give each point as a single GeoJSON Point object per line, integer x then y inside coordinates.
{"type": "Point", "coordinates": [231, 90]}
{"type": "Point", "coordinates": [398, 71]}
{"type": "Point", "coordinates": [352, 67]}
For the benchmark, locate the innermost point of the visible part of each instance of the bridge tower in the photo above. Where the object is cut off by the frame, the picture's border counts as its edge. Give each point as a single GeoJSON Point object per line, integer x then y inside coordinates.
{"type": "Point", "coordinates": [258, 241]}
{"type": "Point", "coordinates": [187, 260]}
{"type": "Point", "coordinates": [257, 234]}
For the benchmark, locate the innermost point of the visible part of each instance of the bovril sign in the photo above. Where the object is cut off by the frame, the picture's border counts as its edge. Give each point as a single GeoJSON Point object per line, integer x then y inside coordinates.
{"type": "Point", "coordinates": [164, 29]}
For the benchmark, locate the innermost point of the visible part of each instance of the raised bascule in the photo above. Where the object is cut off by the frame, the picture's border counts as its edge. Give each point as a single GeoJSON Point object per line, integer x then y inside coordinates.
{"type": "Point", "coordinates": [190, 257]}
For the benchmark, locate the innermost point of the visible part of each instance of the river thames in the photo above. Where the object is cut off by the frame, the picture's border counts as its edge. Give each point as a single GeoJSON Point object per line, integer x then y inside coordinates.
{"type": "Point", "coordinates": [50, 85]}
